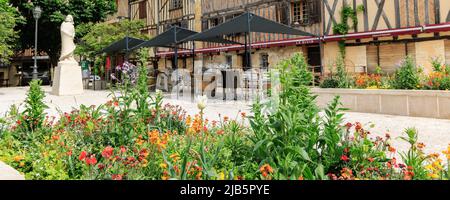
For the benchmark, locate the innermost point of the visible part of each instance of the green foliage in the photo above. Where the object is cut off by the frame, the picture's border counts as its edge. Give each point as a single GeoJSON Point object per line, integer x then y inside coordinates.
{"type": "Point", "coordinates": [347, 13]}
{"type": "Point", "coordinates": [9, 19]}
{"type": "Point", "coordinates": [34, 113]}
{"type": "Point", "coordinates": [436, 64]}
{"type": "Point", "coordinates": [407, 76]}
{"type": "Point", "coordinates": [97, 36]}
{"type": "Point", "coordinates": [289, 137]}
{"type": "Point", "coordinates": [341, 73]}
{"type": "Point", "coordinates": [53, 15]}
{"type": "Point", "coordinates": [330, 82]}
{"type": "Point", "coordinates": [415, 157]}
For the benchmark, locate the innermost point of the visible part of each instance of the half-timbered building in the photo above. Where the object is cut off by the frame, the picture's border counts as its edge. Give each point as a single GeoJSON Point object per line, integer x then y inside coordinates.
{"type": "Point", "coordinates": [375, 33]}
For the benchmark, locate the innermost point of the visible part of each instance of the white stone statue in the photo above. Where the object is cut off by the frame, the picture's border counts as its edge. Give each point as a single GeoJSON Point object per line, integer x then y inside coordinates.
{"type": "Point", "coordinates": [68, 78]}
{"type": "Point", "coordinates": [67, 37]}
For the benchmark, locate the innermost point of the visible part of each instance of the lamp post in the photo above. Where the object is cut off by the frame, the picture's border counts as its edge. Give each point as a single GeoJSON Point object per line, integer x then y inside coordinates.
{"type": "Point", "coordinates": [37, 11]}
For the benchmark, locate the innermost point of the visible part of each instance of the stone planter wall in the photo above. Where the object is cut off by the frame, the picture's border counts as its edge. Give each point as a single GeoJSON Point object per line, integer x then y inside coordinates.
{"type": "Point", "coordinates": [414, 103]}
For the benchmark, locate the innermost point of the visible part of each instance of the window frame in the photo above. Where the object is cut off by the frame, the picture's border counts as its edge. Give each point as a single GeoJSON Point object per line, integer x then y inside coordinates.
{"type": "Point", "coordinates": [176, 4]}
{"type": "Point", "coordinates": [300, 13]}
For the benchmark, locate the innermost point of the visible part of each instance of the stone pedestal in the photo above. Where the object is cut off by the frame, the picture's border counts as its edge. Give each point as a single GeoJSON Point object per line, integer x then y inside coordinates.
{"type": "Point", "coordinates": [68, 79]}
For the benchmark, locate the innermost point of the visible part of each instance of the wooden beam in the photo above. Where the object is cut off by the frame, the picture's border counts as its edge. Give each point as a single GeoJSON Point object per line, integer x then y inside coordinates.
{"type": "Point", "coordinates": [331, 12]}
{"type": "Point", "coordinates": [416, 12]}
{"type": "Point", "coordinates": [427, 14]}
{"type": "Point", "coordinates": [397, 14]}
{"type": "Point", "coordinates": [437, 12]}
{"type": "Point", "coordinates": [366, 16]}
{"type": "Point", "coordinates": [380, 13]}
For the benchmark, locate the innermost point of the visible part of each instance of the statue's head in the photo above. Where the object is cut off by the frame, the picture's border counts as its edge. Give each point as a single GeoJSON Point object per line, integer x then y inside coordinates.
{"type": "Point", "coordinates": [69, 18]}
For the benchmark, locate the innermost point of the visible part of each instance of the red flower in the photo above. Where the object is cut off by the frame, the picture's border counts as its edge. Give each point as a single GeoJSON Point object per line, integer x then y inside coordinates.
{"type": "Point", "coordinates": [101, 166]}
{"type": "Point", "coordinates": [116, 103]}
{"type": "Point", "coordinates": [108, 152]}
{"type": "Point", "coordinates": [82, 156]}
{"type": "Point", "coordinates": [91, 160]}
{"type": "Point", "coordinates": [123, 149]}
{"type": "Point", "coordinates": [348, 125]}
{"type": "Point", "coordinates": [345, 158]}
{"type": "Point", "coordinates": [69, 153]}
{"type": "Point", "coordinates": [370, 159]}
{"type": "Point", "coordinates": [18, 122]}
{"type": "Point", "coordinates": [116, 177]}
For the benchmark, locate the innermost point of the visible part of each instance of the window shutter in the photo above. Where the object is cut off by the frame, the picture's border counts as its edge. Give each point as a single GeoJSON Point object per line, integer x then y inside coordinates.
{"type": "Point", "coordinates": [142, 9]}
{"type": "Point", "coordinates": [282, 14]}
{"type": "Point", "coordinates": [314, 11]}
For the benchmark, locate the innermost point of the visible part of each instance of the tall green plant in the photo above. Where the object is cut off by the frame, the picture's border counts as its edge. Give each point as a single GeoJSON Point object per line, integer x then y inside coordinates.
{"type": "Point", "coordinates": [34, 113]}
{"type": "Point", "coordinates": [341, 73]}
{"type": "Point", "coordinates": [290, 137]}
{"type": "Point", "coordinates": [407, 76]}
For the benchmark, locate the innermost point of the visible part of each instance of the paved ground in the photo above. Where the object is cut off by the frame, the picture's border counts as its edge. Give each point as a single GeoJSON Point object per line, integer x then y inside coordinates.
{"type": "Point", "coordinates": [435, 133]}
{"type": "Point", "coordinates": [8, 173]}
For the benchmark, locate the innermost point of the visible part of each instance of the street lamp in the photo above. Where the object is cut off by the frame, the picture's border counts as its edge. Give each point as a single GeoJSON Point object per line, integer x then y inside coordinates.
{"type": "Point", "coordinates": [37, 11]}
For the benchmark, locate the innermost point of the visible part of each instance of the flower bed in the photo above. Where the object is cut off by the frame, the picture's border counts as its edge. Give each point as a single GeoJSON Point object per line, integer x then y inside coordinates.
{"type": "Point", "coordinates": [407, 76]}
{"type": "Point", "coordinates": [134, 136]}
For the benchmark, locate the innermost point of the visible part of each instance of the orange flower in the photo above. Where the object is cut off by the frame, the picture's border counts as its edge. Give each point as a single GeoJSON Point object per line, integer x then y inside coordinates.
{"type": "Point", "coordinates": [225, 119]}
{"type": "Point", "coordinates": [392, 149]}
{"type": "Point", "coordinates": [420, 145]}
{"type": "Point", "coordinates": [175, 157]}
{"type": "Point", "coordinates": [265, 170]}
{"type": "Point", "coordinates": [243, 115]}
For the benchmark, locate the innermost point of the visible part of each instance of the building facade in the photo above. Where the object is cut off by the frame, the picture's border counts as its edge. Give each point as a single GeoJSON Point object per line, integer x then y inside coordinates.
{"type": "Point", "coordinates": [374, 32]}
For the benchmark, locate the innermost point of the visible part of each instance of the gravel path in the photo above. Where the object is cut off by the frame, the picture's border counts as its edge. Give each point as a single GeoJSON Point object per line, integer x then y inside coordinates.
{"type": "Point", "coordinates": [435, 133]}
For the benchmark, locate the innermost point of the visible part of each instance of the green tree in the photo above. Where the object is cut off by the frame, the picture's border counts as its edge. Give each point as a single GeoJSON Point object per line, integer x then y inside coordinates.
{"type": "Point", "coordinates": [54, 12]}
{"type": "Point", "coordinates": [95, 37]}
{"type": "Point", "coordinates": [9, 18]}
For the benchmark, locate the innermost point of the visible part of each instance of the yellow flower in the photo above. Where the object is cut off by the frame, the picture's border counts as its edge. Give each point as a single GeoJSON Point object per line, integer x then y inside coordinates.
{"type": "Point", "coordinates": [163, 165]}
{"type": "Point", "coordinates": [437, 165]}
{"type": "Point", "coordinates": [22, 164]}
{"type": "Point", "coordinates": [144, 162]}
{"type": "Point", "coordinates": [221, 176]}
{"type": "Point", "coordinates": [429, 167]}
{"type": "Point", "coordinates": [18, 158]}
{"type": "Point", "coordinates": [433, 176]}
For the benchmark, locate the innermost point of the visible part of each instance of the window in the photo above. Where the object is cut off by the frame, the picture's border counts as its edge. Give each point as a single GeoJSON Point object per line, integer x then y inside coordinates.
{"type": "Point", "coordinates": [176, 4]}
{"type": "Point", "coordinates": [142, 10]}
{"type": "Point", "coordinates": [300, 12]}
{"type": "Point", "coordinates": [215, 21]}
{"type": "Point", "coordinates": [264, 61]}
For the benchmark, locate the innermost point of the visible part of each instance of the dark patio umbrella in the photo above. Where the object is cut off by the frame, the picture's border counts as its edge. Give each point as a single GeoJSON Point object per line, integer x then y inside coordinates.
{"type": "Point", "coordinates": [125, 44]}
{"type": "Point", "coordinates": [247, 23]}
{"type": "Point", "coordinates": [175, 36]}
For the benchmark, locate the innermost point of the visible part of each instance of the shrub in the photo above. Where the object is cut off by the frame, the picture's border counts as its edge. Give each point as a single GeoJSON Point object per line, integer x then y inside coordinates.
{"type": "Point", "coordinates": [329, 82]}
{"type": "Point", "coordinates": [407, 76]}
